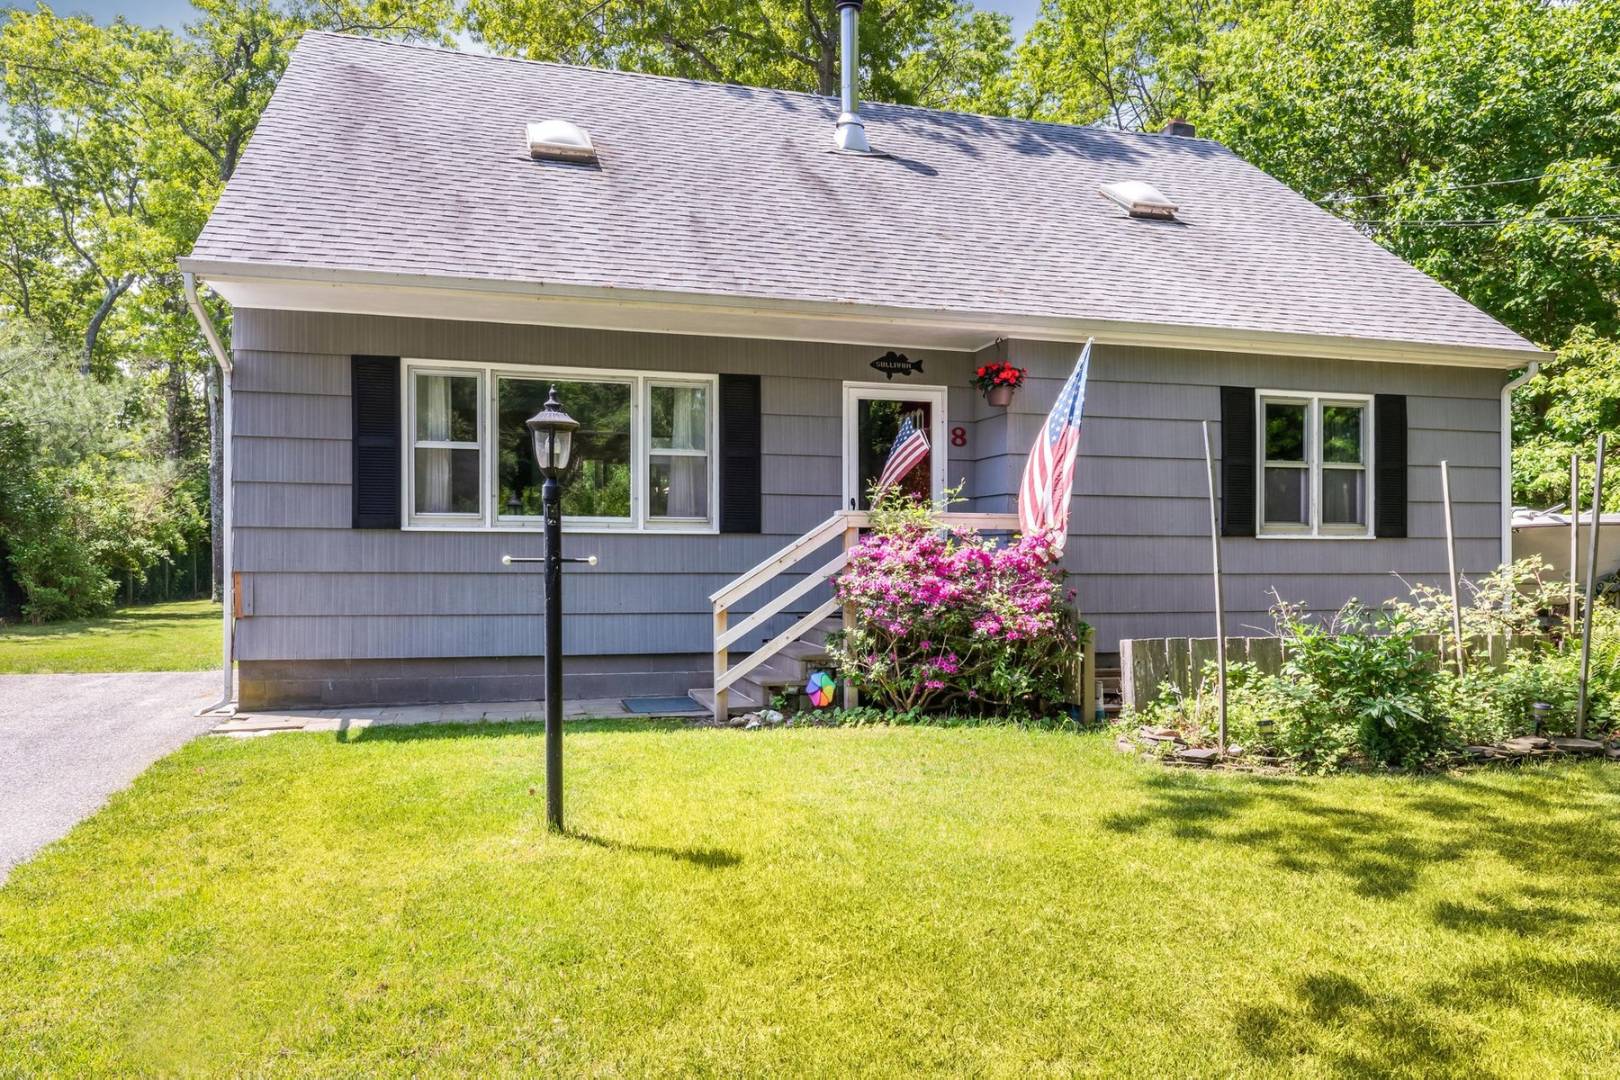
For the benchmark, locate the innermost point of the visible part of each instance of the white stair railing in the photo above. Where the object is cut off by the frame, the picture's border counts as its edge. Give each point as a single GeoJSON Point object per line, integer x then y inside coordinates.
{"type": "Point", "coordinates": [845, 523]}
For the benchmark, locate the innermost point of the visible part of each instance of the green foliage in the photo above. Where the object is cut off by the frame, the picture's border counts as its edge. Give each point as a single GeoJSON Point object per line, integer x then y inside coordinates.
{"type": "Point", "coordinates": [1507, 601]}
{"type": "Point", "coordinates": [1360, 686]}
{"type": "Point", "coordinates": [1356, 689]}
{"type": "Point", "coordinates": [83, 500]}
{"type": "Point", "coordinates": [940, 53]}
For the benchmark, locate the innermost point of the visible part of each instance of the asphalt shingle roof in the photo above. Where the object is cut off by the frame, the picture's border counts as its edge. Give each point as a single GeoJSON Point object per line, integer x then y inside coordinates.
{"type": "Point", "coordinates": [396, 158]}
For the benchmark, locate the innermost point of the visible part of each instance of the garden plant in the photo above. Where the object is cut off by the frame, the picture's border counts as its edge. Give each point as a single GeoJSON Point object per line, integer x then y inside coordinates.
{"type": "Point", "coordinates": [949, 622]}
{"type": "Point", "coordinates": [1366, 687]}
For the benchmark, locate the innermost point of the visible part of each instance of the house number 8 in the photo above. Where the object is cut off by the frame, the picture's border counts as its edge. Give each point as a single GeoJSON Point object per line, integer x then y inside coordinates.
{"type": "Point", "coordinates": [958, 436]}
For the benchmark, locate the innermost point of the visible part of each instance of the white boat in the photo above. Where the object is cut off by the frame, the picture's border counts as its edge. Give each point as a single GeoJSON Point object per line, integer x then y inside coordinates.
{"type": "Point", "coordinates": [1546, 533]}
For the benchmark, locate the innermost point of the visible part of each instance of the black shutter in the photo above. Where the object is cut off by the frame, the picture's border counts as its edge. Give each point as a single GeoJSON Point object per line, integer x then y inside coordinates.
{"type": "Point", "coordinates": [1237, 461]}
{"type": "Point", "coordinates": [374, 387]}
{"type": "Point", "coordinates": [1389, 465]}
{"type": "Point", "coordinates": [739, 454]}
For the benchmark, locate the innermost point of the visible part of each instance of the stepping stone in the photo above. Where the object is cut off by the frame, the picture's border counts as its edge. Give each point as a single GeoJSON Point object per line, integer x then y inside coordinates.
{"type": "Point", "coordinates": [1578, 746]}
{"type": "Point", "coordinates": [1198, 755]}
{"type": "Point", "coordinates": [1612, 753]}
{"type": "Point", "coordinates": [1157, 734]}
{"type": "Point", "coordinates": [1526, 744]}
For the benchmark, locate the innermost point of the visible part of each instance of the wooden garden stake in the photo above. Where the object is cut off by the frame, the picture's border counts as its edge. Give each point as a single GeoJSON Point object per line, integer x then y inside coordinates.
{"type": "Point", "coordinates": [1591, 589]}
{"type": "Point", "coordinates": [1220, 605]}
{"type": "Point", "coordinates": [1574, 537]}
{"type": "Point", "coordinates": [1451, 563]}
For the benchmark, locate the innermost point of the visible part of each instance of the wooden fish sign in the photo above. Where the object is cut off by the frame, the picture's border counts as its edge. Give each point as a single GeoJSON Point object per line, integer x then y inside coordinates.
{"type": "Point", "coordinates": [892, 363]}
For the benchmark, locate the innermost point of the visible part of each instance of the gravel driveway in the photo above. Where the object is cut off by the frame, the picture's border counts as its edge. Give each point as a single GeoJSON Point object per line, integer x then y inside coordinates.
{"type": "Point", "coordinates": [69, 741]}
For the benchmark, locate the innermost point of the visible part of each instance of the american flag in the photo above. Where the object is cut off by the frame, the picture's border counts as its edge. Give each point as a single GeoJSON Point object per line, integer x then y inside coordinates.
{"type": "Point", "coordinates": [1043, 497]}
{"type": "Point", "coordinates": [910, 447]}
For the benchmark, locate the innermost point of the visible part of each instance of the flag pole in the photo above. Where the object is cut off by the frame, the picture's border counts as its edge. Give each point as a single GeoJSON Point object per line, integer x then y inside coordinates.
{"type": "Point", "coordinates": [1220, 604]}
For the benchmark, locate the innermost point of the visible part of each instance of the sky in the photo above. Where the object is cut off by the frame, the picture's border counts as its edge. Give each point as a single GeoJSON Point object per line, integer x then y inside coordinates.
{"type": "Point", "coordinates": [175, 12]}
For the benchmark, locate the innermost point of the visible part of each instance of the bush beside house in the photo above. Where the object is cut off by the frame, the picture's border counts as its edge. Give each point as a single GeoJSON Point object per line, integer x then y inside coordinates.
{"type": "Point", "coordinates": [1358, 688]}
{"type": "Point", "coordinates": [952, 623]}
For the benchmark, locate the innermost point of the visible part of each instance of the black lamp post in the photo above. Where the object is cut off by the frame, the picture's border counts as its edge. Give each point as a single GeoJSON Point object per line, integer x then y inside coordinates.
{"type": "Point", "coordinates": [553, 431]}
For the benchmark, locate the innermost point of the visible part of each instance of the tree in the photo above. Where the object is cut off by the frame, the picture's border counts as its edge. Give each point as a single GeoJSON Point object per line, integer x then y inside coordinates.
{"type": "Point", "coordinates": [1477, 139]}
{"type": "Point", "coordinates": [121, 139]}
{"type": "Point", "coordinates": [941, 53]}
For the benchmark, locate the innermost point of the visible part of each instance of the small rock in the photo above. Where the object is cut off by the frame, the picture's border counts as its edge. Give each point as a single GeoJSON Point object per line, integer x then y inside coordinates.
{"type": "Point", "coordinates": [1578, 746]}
{"type": "Point", "coordinates": [1234, 751]}
{"type": "Point", "coordinates": [1481, 753]}
{"type": "Point", "coordinates": [1202, 755]}
{"type": "Point", "coordinates": [752, 724]}
{"type": "Point", "coordinates": [1124, 745]}
{"type": "Point", "coordinates": [1612, 753]}
{"type": "Point", "coordinates": [770, 716]}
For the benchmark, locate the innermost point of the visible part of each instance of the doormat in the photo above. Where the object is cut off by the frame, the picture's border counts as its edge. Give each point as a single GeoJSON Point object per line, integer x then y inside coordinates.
{"type": "Point", "coordinates": [661, 706]}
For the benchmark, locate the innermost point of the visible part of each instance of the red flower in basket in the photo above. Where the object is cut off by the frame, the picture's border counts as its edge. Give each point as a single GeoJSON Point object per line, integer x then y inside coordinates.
{"type": "Point", "coordinates": [998, 376]}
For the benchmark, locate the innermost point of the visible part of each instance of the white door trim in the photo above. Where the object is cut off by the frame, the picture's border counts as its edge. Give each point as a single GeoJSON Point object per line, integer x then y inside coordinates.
{"type": "Point", "coordinates": [935, 395]}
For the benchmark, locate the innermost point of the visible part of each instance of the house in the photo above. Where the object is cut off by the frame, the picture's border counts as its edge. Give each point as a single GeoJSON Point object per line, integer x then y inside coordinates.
{"type": "Point", "coordinates": [708, 282]}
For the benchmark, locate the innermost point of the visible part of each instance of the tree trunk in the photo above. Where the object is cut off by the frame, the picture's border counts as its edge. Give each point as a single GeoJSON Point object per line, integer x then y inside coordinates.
{"type": "Point", "coordinates": [827, 68]}
{"type": "Point", "coordinates": [175, 391]}
{"type": "Point", "coordinates": [216, 491]}
{"type": "Point", "coordinates": [114, 290]}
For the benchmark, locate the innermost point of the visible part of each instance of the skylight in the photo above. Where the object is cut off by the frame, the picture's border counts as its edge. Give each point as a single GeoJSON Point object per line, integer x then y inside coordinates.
{"type": "Point", "coordinates": [559, 140]}
{"type": "Point", "coordinates": [1140, 199]}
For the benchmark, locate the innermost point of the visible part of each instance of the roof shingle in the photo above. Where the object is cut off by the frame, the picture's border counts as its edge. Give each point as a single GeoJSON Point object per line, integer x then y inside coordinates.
{"type": "Point", "coordinates": [395, 158]}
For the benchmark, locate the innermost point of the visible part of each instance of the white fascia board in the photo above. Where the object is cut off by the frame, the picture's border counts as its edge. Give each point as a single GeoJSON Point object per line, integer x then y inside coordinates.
{"type": "Point", "coordinates": [364, 292]}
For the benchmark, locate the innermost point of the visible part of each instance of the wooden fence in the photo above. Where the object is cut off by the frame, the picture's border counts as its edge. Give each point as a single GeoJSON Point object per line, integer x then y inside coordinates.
{"type": "Point", "coordinates": [1149, 666]}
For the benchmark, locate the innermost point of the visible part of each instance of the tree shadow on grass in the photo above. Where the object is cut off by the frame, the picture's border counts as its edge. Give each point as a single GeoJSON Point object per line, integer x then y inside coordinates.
{"type": "Point", "coordinates": [710, 858]}
{"type": "Point", "coordinates": [1356, 1032]}
{"type": "Point", "coordinates": [1303, 827]}
{"type": "Point", "coordinates": [1552, 827]}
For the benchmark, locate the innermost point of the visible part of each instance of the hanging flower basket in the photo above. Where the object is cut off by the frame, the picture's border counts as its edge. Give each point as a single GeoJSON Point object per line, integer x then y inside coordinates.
{"type": "Point", "coordinates": [998, 380]}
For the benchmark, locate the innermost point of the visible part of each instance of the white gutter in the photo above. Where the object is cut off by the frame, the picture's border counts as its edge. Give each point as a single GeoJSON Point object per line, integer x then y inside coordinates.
{"type": "Point", "coordinates": [296, 287]}
{"type": "Point", "coordinates": [226, 369]}
{"type": "Point", "coordinates": [1507, 456]}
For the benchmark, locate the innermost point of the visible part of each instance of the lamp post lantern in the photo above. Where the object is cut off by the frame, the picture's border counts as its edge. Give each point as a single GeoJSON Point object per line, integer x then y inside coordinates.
{"type": "Point", "coordinates": [553, 433]}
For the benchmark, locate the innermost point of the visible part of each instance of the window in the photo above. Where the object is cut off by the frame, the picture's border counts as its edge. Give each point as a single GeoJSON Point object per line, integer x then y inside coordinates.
{"type": "Point", "coordinates": [444, 473]}
{"type": "Point", "coordinates": [641, 457]}
{"type": "Point", "coordinates": [1315, 453]}
{"type": "Point", "coordinates": [678, 462]}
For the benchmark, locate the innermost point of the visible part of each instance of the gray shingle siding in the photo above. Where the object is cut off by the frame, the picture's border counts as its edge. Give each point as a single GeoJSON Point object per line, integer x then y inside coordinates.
{"type": "Point", "coordinates": [1138, 527]}
{"type": "Point", "coordinates": [323, 592]}
{"type": "Point", "coordinates": [320, 590]}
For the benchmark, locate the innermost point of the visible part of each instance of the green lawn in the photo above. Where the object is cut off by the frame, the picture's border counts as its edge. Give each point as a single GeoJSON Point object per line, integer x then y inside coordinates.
{"type": "Point", "coordinates": [179, 636]}
{"type": "Point", "coordinates": [876, 901]}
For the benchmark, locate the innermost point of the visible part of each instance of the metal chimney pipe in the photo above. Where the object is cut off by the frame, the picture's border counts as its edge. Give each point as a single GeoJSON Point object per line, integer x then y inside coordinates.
{"type": "Point", "coordinates": [850, 134]}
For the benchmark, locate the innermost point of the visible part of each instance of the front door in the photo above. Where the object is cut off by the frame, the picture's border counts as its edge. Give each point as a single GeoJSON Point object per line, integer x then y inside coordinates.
{"type": "Point", "coordinates": [873, 413]}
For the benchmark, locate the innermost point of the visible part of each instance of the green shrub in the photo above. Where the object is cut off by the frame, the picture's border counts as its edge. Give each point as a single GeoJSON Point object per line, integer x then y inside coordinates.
{"type": "Point", "coordinates": [1362, 686]}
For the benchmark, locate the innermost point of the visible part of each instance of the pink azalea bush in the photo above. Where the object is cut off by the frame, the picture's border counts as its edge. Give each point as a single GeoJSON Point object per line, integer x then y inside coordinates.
{"type": "Point", "coordinates": [948, 622]}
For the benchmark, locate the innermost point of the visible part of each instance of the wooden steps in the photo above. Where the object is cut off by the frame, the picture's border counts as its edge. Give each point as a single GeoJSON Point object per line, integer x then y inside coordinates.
{"type": "Point", "coordinates": [785, 673]}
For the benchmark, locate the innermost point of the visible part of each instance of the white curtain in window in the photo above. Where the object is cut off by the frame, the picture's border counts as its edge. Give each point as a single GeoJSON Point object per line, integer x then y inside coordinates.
{"type": "Point", "coordinates": [687, 475]}
{"type": "Point", "coordinates": [433, 425]}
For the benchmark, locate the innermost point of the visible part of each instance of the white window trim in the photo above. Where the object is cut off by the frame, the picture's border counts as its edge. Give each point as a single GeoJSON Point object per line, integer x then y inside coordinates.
{"type": "Point", "coordinates": [491, 519]}
{"type": "Point", "coordinates": [1313, 402]}
{"type": "Point", "coordinates": [855, 392]}
{"type": "Point", "coordinates": [411, 444]}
